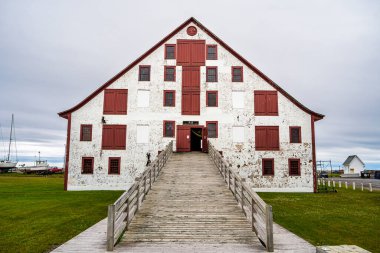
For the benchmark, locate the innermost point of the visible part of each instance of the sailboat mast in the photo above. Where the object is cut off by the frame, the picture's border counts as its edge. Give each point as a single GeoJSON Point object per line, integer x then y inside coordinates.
{"type": "Point", "coordinates": [10, 139]}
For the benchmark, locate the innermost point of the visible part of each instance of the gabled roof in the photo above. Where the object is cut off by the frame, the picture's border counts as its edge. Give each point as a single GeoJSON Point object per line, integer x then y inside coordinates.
{"type": "Point", "coordinates": [349, 160]}
{"type": "Point", "coordinates": [317, 116]}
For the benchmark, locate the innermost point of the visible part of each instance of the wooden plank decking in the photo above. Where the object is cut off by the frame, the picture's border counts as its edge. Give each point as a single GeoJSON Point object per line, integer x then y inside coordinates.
{"type": "Point", "coordinates": [189, 209]}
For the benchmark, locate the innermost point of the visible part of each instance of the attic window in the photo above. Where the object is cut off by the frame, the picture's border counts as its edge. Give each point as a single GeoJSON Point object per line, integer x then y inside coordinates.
{"type": "Point", "coordinates": [169, 73]}
{"type": "Point", "coordinates": [85, 132]}
{"type": "Point", "coordinates": [237, 74]}
{"type": "Point", "coordinates": [170, 51]}
{"type": "Point", "coordinates": [212, 52]}
{"type": "Point", "coordinates": [144, 73]}
{"type": "Point", "coordinates": [211, 74]}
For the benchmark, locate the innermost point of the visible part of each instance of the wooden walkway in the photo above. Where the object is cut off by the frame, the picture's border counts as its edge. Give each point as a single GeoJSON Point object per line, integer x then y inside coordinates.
{"type": "Point", "coordinates": [189, 209]}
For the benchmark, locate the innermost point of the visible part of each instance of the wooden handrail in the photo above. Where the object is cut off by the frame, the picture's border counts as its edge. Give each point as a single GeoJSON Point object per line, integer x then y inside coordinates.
{"type": "Point", "coordinates": [122, 211]}
{"type": "Point", "coordinates": [255, 209]}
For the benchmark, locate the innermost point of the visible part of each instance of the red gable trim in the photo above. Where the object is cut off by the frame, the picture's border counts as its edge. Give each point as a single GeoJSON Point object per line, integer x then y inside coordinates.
{"type": "Point", "coordinates": [317, 116]}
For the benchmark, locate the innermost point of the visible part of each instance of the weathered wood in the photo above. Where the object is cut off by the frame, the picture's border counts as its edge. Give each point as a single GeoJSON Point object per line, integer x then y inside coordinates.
{"type": "Point", "coordinates": [269, 228]}
{"type": "Point", "coordinates": [121, 213]}
{"type": "Point", "coordinates": [110, 227]}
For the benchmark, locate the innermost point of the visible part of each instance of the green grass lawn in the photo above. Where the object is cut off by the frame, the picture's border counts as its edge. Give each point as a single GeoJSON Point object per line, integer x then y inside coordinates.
{"type": "Point", "coordinates": [345, 217]}
{"type": "Point", "coordinates": [37, 215]}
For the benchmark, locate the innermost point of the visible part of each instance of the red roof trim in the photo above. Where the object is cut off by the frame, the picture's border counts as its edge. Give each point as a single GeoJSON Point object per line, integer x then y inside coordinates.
{"type": "Point", "coordinates": [317, 116]}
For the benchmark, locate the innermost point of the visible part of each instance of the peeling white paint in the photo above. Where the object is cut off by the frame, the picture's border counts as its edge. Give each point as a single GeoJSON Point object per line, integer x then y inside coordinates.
{"type": "Point", "coordinates": [242, 156]}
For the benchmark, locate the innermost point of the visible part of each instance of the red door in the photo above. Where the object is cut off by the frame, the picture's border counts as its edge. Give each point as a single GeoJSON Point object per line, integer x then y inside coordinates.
{"type": "Point", "coordinates": [191, 52]}
{"type": "Point", "coordinates": [183, 139]}
{"type": "Point", "coordinates": [204, 140]}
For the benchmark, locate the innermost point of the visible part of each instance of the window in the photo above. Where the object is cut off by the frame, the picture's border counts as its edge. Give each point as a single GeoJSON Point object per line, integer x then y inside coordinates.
{"type": "Point", "coordinates": [267, 138]}
{"type": "Point", "coordinates": [169, 73]}
{"type": "Point", "coordinates": [170, 51]}
{"type": "Point", "coordinates": [169, 128]}
{"type": "Point", "coordinates": [295, 134]}
{"type": "Point", "coordinates": [238, 99]}
{"type": "Point", "coordinates": [86, 132]}
{"type": "Point", "coordinates": [211, 98]}
{"type": "Point", "coordinates": [211, 74]}
{"type": "Point", "coordinates": [114, 165]}
{"type": "Point", "coordinates": [144, 73]}
{"type": "Point", "coordinates": [114, 137]}
{"type": "Point", "coordinates": [142, 134]}
{"type": "Point", "coordinates": [87, 165]}
{"type": "Point", "coordinates": [266, 103]}
{"type": "Point", "coordinates": [294, 167]}
{"type": "Point", "coordinates": [268, 167]}
{"type": "Point", "coordinates": [237, 74]}
{"type": "Point", "coordinates": [115, 101]}
{"type": "Point", "coordinates": [169, 98]}
{"type": "Point", "coordinates": [212, 52]}
{"type": "Point", "coordinates": [238, 134]}
{"type": "Point", "coordinates": [212, 129]}
{"type": "Point", "coordinates": [143, 98]}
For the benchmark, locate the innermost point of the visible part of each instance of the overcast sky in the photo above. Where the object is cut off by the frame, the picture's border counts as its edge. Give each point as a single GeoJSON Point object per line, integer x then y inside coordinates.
{"type": "Point", "coordinates": [325, 53]}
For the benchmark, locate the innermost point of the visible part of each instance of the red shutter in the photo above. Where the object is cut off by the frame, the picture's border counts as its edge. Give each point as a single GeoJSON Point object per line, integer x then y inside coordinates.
{"type": "Point", "coordinates": [109, 101]}
{"type": "Point", "coordinates": [195, 103]}
{"type": "Point", "coordinates": [260, 103]}
{"type": "Point", "coordinates": [183, 138]}
{"type": "Point", "coordinates": [260, 138]}
{"type": "Point", "coordinates": [183, 52]}
{"type": "Point", "coordinates": [121, 98]}
{"type": "Point", "coordinates": [191, 78]}
{"type": "Point", "coordinates": [273, 142]}
{"type": "Point", "coordinates": [107, 137]}
{"type": "Point", "coordinates": [198, 55]}
{"type": "Point", "coordinates": [272, 103]}
{"type": "Point", "coordinates": [120, 134]}
{"type": "Point", "coordinates": [186, 103]}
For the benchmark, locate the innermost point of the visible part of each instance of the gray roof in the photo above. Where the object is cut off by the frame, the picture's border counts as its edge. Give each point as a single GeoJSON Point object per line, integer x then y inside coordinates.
{"type": "Point", "coordinates": [349, 160]}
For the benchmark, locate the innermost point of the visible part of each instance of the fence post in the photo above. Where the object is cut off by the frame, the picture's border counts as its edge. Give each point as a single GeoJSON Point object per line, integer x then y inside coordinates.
{"type": "Point", "coordinates": [362, 187]}
{"type": "Point", "coordinates": [111, 228]}
{"type": "Point", "coordinates": [340, 184]}
{"type": "Point", "coordinates": [242, 194]}
{"type": "Point", "coordinates": [269, 227]}
{"type": "Point", "coordinates": [328, 183]}
{"type": "Point", "coordinates": [370, 187]}
{"type": "Point", "coordinates": [323, 182]}
{"type": "Point", "coordinates": [333, 183]}
{"type": "Point", "coordinates": [353, 185]}
{"type": "Point", "coordinates": [346, 185]}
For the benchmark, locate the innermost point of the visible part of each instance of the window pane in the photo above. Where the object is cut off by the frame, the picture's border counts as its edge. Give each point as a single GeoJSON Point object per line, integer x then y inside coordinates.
{"type": "Point", "coordinates": [295, 135]}
{"type": "Point", "coordinates": [169, 129]}
{"type": "Point", "coordinates": [211, 75]}
{"type": "Point", "coordinates": [237, 74]}
{"type": "Point", "coordinates": [169, 52]}
{"type": "Point", "coordinates": [294, 167]}
{"type": "Point", "coordinates": [169, 74]}
{"type": "Point", "coordinates": [144, 74]}
{"type": "Point", "coordinates": [114, 166]}
{"type": "Point", "coordinates": [211, 53]}
{"type": "Point", "coordinates": [211, 99]}
{"type": "Point", "coordinates": [86, 133]}
{"type": "Point", "coordinates": [211, 129]}
{"type": "Point", "coordinates": [169, 98]}
{"type": "Point", "coordinates": [87, 166]}
{"type": "Point", "coordinates": [268, 167]}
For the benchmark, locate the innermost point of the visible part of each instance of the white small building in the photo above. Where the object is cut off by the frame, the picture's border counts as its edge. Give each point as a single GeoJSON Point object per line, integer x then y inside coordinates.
{"type": "Point", "coordinates": [353, 165]}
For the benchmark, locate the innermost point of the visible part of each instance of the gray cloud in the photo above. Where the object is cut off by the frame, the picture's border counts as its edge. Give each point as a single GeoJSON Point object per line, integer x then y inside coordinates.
{"type": "Point", "coordinates": [325, 53]}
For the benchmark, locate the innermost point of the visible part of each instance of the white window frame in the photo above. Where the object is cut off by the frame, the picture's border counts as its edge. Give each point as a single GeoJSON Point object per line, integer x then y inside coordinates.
{"type": "Point", "coordinates": [143, 98]}
{"type": "Point", "coordinates": [238, 134]}
{"type": "Point", "coordinates": [142, 134]}
{"type": "Point", "coordinates": [238, 99]}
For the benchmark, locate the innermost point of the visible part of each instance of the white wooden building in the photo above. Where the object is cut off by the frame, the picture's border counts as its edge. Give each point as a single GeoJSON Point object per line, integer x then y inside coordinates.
{"type": "Point", "coordinates": [189, 88]}
{"type": "Point", "coordinates": [353, 165]}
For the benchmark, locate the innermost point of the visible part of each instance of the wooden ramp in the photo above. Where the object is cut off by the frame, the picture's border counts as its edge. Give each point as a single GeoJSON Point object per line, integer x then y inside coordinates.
{"type": "Point", "coordinates": [190, 203]}
{"type": "Point", "coordinates": [188, 209]}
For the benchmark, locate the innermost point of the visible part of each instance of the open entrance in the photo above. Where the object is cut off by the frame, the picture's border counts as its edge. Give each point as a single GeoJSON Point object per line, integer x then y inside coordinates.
{"type": "Point", "coordinates": [196, 139]}
{"type": "Point", "coordinates": [191, 138]}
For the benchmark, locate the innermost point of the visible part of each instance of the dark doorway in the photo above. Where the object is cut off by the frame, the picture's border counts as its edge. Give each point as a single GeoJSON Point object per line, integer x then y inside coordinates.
{"type": "Point", "coordinates": [196, 138]}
